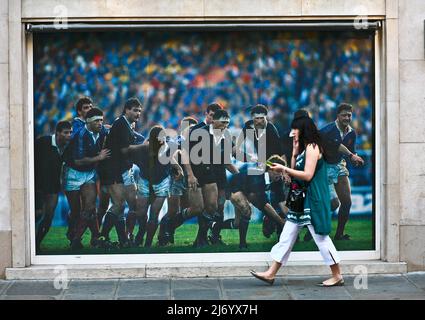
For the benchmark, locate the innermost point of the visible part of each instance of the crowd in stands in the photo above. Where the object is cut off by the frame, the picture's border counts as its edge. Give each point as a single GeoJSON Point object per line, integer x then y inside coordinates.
{"type": "Point", "coordinates": [178, 74]}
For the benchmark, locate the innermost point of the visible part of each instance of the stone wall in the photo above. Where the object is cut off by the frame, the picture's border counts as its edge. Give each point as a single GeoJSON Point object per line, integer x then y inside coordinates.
{"type": "Point", "coordinates": [201, 9]}
{"type": "Point", "coordinates": [402, 100]}
{"type": "Point", "coordinates": [5, 225]}
{"type": "Point", "coordinates": [412, 132]}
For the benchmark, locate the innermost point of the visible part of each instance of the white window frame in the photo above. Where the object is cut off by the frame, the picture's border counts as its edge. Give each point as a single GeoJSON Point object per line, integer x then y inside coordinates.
{"type": "Point", "coordinates": [168, 258]}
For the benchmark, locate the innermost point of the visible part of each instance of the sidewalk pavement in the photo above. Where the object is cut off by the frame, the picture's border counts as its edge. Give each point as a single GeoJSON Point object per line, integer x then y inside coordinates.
{"type": "Point", "coordinates": [409, 286]}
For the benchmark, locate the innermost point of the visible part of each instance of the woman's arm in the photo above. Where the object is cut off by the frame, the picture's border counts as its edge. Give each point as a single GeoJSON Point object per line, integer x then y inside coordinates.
{"type": "Point", "coordinates": [312, 156]}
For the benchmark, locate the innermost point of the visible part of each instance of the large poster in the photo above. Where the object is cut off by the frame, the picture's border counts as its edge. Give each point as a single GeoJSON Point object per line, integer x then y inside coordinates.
{"type": "Point", "coordinates": [106, 105]}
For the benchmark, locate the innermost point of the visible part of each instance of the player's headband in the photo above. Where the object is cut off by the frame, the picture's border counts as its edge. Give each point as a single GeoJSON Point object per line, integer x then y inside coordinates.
{"type": "Point", "coordinates": [223, 119]}
{"type": "Point", "coordinates": [292, 133]}
{"type": "Point", "coordinates": [259, 115]}
{"type": "Point", "coordinates": [94, 118]}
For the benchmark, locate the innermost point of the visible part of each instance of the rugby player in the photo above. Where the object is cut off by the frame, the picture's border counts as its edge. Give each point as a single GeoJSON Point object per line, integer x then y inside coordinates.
{"type": "Point", "coordinates": [183, 203]}
{"type": "Point", "coordinates": [155, 160]}
{"type": "Point", "coordinates": [81, 158]}
{"type": "Point", "coordinates": [48, 152]}
{"type": "Point", "coordinates": [259, 131]}
{"type": "Point", "coordinates": [213, 144]}
{"type": "Point", "coordinates": [116, 173]}
{"type": "Point", "coordinates": [340, 142]}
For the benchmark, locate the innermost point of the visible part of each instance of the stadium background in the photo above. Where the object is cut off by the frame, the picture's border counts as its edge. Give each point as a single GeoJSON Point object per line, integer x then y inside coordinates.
{"type": "Point", "coordinates": [178, 74]}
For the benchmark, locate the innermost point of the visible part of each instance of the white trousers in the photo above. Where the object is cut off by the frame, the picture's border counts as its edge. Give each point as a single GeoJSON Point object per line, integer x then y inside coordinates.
{"type": "Point", "coordinates": [281, 251]}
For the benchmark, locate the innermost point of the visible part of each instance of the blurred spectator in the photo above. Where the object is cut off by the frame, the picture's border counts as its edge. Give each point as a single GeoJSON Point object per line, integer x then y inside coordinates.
{"type": "Point", "coordinates": [179, 74]}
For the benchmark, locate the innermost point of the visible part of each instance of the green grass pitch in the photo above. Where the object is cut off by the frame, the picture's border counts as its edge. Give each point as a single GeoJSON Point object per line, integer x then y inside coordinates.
{"type": "Point", "coordinates": [360, 230]}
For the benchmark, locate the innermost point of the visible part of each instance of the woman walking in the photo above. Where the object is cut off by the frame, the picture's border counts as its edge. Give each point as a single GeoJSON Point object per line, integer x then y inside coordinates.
{"type": "Point", "coordinates": [309, 171]}
{"type": "Point", "coordinates": [155, 160]}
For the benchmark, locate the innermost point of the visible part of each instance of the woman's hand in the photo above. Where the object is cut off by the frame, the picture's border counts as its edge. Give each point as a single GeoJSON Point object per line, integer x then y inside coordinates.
{"type": "Point", "coordinates": [278, 168]}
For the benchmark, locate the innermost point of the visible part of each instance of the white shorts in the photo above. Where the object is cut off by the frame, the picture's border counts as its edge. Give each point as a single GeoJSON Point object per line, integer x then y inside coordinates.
{"type": "Point", "coordinates": [128, 177]}
{"type": "Point", "coordinates": [161, 189]}
{"type": "Point", "coordinates": [334, 172]}
{"type": "Point", "coordinates": [74, 179]}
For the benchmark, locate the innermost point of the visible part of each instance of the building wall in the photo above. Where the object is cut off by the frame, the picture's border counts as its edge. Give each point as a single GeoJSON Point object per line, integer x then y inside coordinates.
{"type": "Point", "coordinates": [5, 226]}
{"type": "Point", "coordinates": [402, 100]}
{"type": "Point", "coordinates": [200, 9]}
{"type": "Point", "coordinates": [412, 132]}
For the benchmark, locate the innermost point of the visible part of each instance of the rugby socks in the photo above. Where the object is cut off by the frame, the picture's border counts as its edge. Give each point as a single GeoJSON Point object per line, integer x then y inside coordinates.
{"type": "Point", "coordinates": [243, 230]}
{"type": "Point", "coordinates": [130, 223]}
{"type": "Point", "coordinates": [181, 217]}
{"type": "Point", "coordinates": [42, 230]}
{"type": "Point", "coordinates": [81, 226]}
{"type": "Point", "coordinates": [216, 228]}
{"type": "Point", "coordinates": [93, 226]}
{"type": "Point", "coordinates": [71, 226]}
{"type": "Point", "coordinates": [201, 237]}
{"type": "Point", "coordinates": [164, 230]}
{"type": "Point", "coordinates": [228, 224]}
{"type": "Point", "coordinates": [164, 225]}
{"type": "Point", "coordinates": [120, 229]}
{"type": "Point", "coordinates": [343, 215]}
{"type": "Point", "coordinates": [150, 232]}
{"type": "Point", "coordinates": [108, 223]}
{"type": "Point", "coordinates": [142, 229]}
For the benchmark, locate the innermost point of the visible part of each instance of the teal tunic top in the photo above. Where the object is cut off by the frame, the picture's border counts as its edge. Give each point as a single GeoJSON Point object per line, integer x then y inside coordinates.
{"type": "Point", "coordinates": [317, 210]}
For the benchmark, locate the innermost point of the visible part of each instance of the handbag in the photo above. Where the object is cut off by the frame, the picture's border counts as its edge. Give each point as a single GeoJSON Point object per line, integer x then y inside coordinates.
{"type": "Point", "coordinates": [296, 196]}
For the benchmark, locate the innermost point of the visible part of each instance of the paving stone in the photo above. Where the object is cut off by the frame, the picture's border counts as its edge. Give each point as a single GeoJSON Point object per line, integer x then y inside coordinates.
{"type": "Point", "coordinates": [418, 279]}
{"type": "Point", "coordinates": [3, 285]}
{"type": "Point", "coordinates": [248, 283]}
{"type": "Point", "coordinates": [257, 294]}
{"type": "Point", "coordinates": [35, 288]}
{"type": "Point", "coordinates": [389, 296]}
{"type": "Point", "coordinates": [302, 281]}
{"type": "Point", "coordinates": [383, 285]}
{"type": "Point", "coordinates": [195, 283]}
{"type": "Point", "coordinates": [394, 280]}
{"type": "Point", "coordinates": [145, 298]}
{"type": "Point", "coordinates": [128, 288]}
{"type": "Point", "coordinates": [87, 297]}
{"type": "Point", "coordinates": [190, 294]}
{"type": "Point", "coordinates": [91, 288]}
{"type": "Point", "coordinates": [317, 293]}
{"type": "Point", "coordinates": [29, 297]}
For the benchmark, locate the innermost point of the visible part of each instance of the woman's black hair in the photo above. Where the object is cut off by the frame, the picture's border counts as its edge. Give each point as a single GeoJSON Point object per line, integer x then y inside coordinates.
{"type": "Point", "coordinates": [154, 147]}
{"type": "Point", "coordinates": [154, 144]}
{"type": "Point", "coordinates": [309, 134]}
